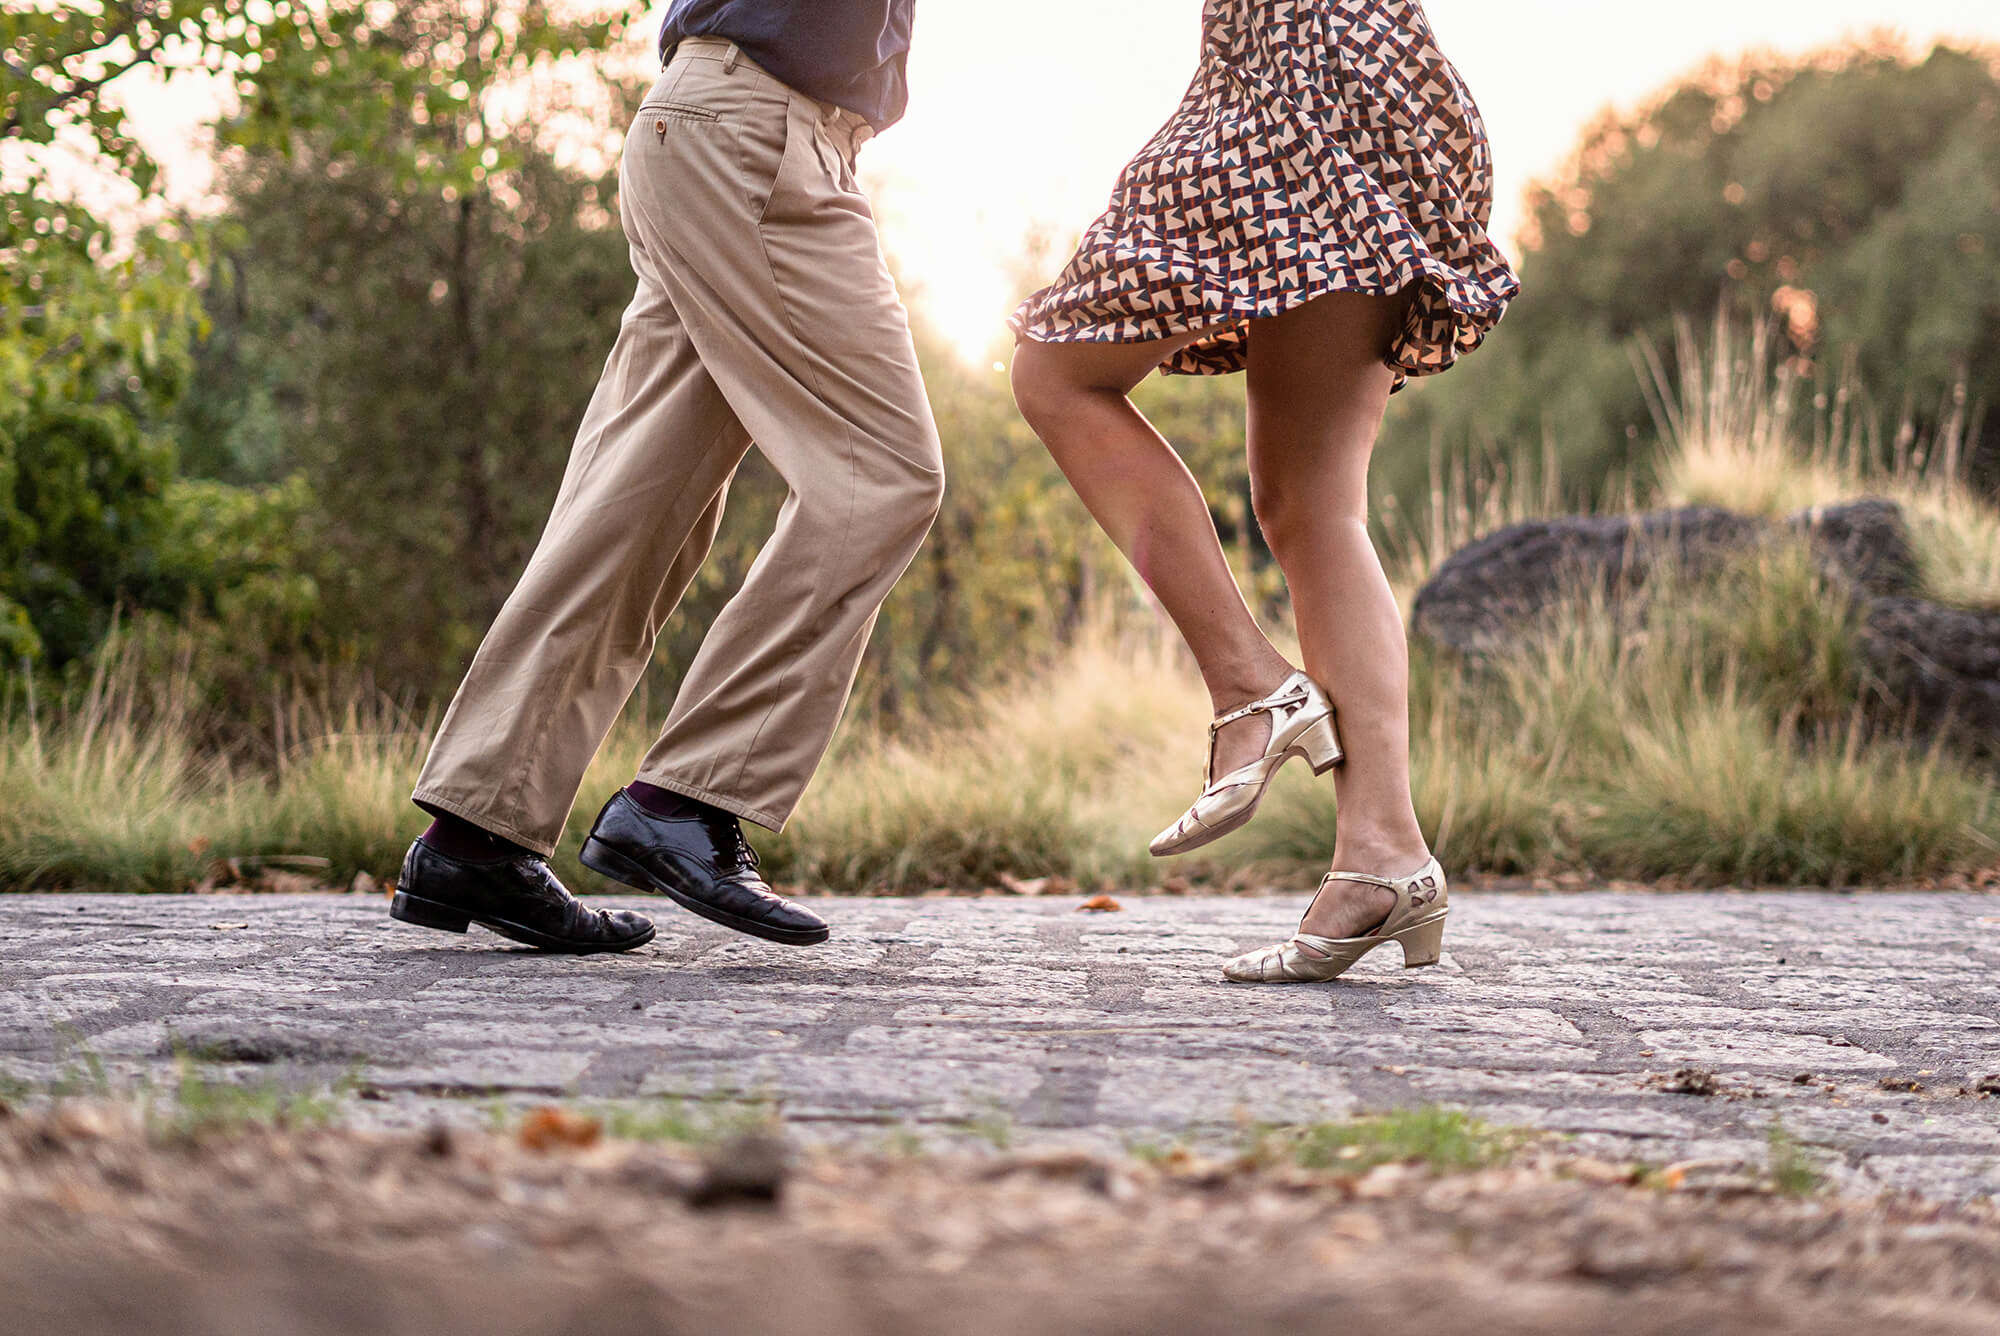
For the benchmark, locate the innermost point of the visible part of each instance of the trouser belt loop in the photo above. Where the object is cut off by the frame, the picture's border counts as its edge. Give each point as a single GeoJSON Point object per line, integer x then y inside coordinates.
{"type": "Point", "coordinates": [729, 61]}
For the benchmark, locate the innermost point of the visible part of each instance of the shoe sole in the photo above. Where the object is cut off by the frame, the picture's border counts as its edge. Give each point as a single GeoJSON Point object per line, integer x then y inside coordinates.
{"type": "Point", "coordinates": [1213, 833]}
{"type": "Point", "coordinates": [448, 918]}
{"type": "Point", "coordinates": [601, 858]}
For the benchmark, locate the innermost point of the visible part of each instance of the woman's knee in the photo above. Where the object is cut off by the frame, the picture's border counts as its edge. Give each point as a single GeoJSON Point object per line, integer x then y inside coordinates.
{"type": "Point", "coordinates": [1043, 389]}
{"type": "Point", "coordinates": [1294, 507]}
{"type": "Point", "coordinates": [1276, 506]}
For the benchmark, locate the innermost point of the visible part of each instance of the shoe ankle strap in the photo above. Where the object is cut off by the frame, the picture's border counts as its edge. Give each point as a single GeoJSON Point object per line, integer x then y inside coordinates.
{"type": "Point", "coordinates": [1370, 879]}
{"type": "Point", "coordinates": [1263, 706]}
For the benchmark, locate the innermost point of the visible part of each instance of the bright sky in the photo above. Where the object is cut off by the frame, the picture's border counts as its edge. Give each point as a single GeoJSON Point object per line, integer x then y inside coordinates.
{"type": "Point", "coordinates": [1022, 113]}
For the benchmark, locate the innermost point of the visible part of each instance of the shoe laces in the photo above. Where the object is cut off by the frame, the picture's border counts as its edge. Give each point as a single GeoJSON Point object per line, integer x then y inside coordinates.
{"type": "Point", "coordinates": [541, 872]}
{"type": "Point", "coordinates": [739, 850]}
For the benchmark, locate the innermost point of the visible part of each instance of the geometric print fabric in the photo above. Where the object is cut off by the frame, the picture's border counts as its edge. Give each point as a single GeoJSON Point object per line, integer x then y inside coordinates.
{"type": "Point", "coordinates": [1323, 146]}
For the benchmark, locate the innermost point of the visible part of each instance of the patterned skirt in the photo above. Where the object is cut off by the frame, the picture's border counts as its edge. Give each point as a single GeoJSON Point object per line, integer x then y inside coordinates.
{"type": "Point", "coordinates": [1324, 146]}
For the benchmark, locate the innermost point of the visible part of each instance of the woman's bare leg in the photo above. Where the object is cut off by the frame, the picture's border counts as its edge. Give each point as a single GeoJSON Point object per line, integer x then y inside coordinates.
{"type": "Point", "coordinates": [1075, 396]}
{"type": "Point", "coordinates": [1317, 391]}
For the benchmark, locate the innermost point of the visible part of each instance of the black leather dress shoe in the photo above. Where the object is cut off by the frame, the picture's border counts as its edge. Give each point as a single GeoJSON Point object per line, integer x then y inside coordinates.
{"type": "Point", "coordinates": [516, 897]}
{"type": "Point", "coordinates": [702, 862]}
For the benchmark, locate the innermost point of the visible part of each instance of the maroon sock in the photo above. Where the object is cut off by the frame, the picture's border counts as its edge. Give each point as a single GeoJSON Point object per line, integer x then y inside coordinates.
{"type": "Point", "coordinates": [455, 837]}
{"type": "Point", "coordinates": [665, 803]}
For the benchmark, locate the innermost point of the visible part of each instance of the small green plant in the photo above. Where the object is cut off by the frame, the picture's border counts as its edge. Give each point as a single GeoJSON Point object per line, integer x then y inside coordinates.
{"type": "Point", "coordinates": [1794, 1170]}
{"type": "Point", "coordinates": [1154, 1152]}
{"type": "Point", "coordinates": [903, 1141]}
{"type": "Point", "coordinates": [664, 1119]}
{"type": "Point", "coordinates": [84, 1074]}
{"type": "Point", "coordinates": [681, 1120]}
{"type": "Point", "coordinates": [201, 1103]}
{"type": "Point", "coordinates": [1442, 1139]}
{"type": "Point", "coordinates": [995, 1126]}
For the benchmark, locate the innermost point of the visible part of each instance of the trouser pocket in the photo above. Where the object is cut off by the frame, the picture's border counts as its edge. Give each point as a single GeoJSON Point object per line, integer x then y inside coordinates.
{"type": "Point", "coordinates": [684, 110]}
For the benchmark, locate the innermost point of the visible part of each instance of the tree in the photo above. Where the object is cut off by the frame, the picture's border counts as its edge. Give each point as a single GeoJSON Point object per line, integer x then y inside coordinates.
{"type": "Point", "coordinates": [1852, 197]}
{"type": "Point", "coordinates": [98, 323]}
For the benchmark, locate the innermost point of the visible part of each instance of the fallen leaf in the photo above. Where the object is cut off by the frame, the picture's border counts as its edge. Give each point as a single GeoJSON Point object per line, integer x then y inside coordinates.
{"type": "Point", "coordinates": [228, 927]}
{"type": "Point", "coordinates": [1100, 904]}
{"type": "Point", "coordinates": [1023, 886]}
{"type": "Point", "coordinates": [365, 884]}
{"type": "Point", "coordinates": [548, 1127]}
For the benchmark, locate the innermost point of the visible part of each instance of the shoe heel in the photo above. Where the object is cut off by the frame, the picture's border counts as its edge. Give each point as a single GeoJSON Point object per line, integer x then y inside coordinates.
{"type": "Point", "coordinates": [428, 914]}
{"type": "Point", "coordinates": [1422, 944]}
{"type": "Point", "coordinates": [601, 858]}
{"type": "Point", "coordinates": [1321, 746]}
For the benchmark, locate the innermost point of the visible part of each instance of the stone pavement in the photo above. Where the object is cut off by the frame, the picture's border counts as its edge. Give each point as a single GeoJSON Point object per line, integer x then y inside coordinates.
{"type": "Point", "coordinates": [952, 1019]}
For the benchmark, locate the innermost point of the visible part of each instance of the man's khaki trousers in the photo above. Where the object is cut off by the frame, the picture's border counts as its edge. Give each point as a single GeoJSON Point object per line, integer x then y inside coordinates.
{"type": "Point", "coordinates": [764, 314]}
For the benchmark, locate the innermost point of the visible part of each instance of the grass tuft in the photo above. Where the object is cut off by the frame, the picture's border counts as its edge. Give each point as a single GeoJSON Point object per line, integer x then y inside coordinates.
{"type": "Point", "coordinates": [1794, 1170]}
{"type": "Point", "coordinates": [1442, 1139]}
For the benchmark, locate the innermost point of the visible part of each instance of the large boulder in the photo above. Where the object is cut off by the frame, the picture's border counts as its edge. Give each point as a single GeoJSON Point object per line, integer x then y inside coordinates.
{"type": "Point", "coordinates": [1938, 666]}
{"type": "Point", "coordinates": [1941, 665]}
{"type": "Point", "coordinates": [1481, 597]}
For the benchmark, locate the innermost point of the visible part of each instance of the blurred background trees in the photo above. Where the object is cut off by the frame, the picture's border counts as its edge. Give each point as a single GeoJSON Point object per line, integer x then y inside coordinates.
{"type": "Point", "coordinates": [316, 434]}
{"type": "Point", "coordinates": [1852, 197]}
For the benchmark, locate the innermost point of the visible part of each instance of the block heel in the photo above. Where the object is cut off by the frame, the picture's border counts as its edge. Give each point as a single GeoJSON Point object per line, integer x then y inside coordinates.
{"type": "Point", "coordinates": [1423, 944]}
{"type": "Point", "coordinates": [1321, 746]}
{"type": "Point", "coordinates": [428, 913]}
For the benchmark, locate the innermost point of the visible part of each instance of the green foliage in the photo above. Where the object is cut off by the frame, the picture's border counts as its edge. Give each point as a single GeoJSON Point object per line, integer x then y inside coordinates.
{"type": "Point", "coordinates": [80, 506]}
{"type": "Point", "coordinates": [1794, 1170]}
{"type": "Point", "coordinates": [1446, 1140]}
{"type": "Point", "coordinates": [1853, 198]}
{"type": "Point", "coordinates": [995, 1127]}
{"type": "Point", "coordinates": [99, 319]}
{"type": "Point", "coordinates": [314, 485]}
{"type": "Point", "coordinates": [673, 1119]}
{"type": "Point", "coordinates": [94, 327]}
{"type": "Point", "coordinates": [202, 1104]}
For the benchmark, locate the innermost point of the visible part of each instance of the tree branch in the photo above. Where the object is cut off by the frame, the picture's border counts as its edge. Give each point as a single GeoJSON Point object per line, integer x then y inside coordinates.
{"type": "Point", "coordinates": [141, 55]}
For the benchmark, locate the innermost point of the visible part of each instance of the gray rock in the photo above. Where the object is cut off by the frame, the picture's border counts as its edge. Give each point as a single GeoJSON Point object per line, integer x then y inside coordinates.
{"type": "Point", "coordinates": [1941, 665]}
{"type": "Point", "coordinates": [1865, 541]}
{"type": "Point", "coordinates": [1937, 666]}
{"type": "Point", "coordinates": [746, 1170]}
{"type": "Point", "coordinates": [1484, 594]}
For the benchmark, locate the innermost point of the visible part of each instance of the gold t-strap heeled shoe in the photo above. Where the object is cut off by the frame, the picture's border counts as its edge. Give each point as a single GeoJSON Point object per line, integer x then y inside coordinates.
{"type": "Point", "coordinates": [1417, 923]}
{"type": "Point", "coordinates": [1301, 725]}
